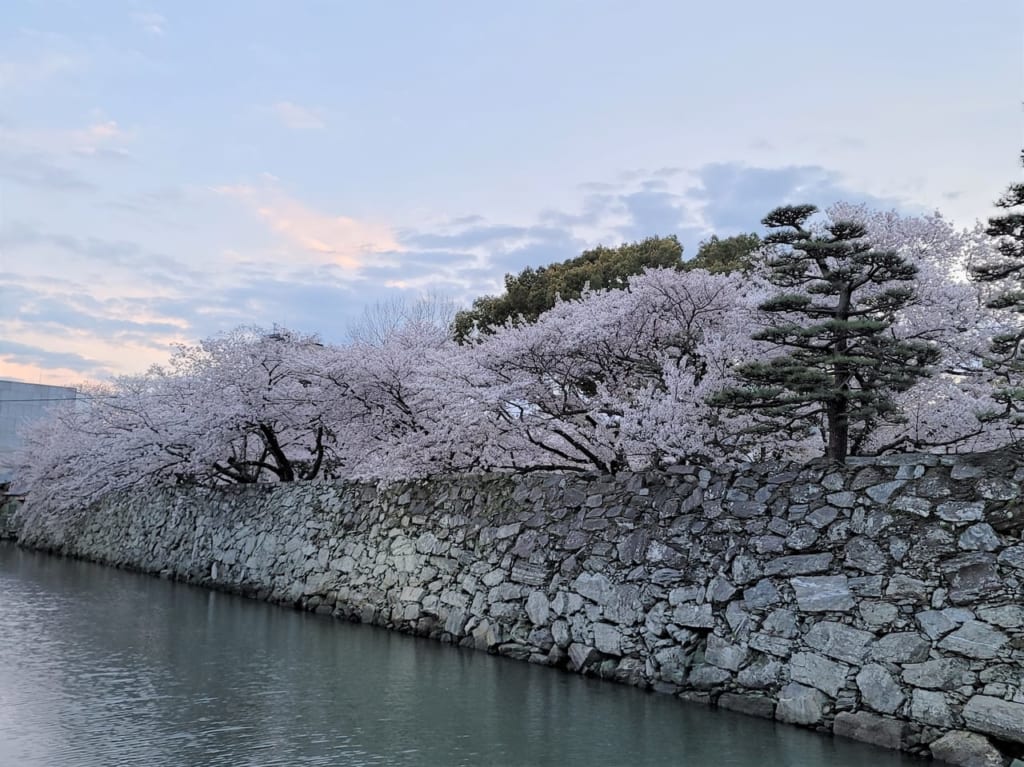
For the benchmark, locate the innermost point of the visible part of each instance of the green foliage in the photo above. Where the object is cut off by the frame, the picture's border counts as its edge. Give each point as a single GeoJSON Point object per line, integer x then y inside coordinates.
{"type": "Point", "coordinates": [533, 291]}
{"type": "Point", "coordinates": [1006, 272]}
{"type": "Point", "coordinates": [723, 256]}
{"type": "Point", "coordinates": [840, 365]}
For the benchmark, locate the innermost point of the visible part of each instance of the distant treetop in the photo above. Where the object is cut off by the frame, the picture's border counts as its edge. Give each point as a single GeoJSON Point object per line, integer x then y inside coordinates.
{"type": "Point", "coordinates": [533, 291]}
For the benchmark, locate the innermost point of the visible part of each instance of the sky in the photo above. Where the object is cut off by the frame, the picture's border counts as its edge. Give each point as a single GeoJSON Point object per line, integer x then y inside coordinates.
{"type": "Point", "coordinates": [172, 170]}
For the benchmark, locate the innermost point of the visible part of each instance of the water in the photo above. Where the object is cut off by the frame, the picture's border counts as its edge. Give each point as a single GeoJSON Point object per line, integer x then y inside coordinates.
{"type": "Point", "coordinates": [104, 667]}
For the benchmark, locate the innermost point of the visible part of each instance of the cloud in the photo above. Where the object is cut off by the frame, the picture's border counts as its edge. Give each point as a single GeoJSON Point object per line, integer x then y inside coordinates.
{"type": "Point", "coordinates": [314, 236]}
{"type": "Point", "coordinates": [152, 22]}
{"type": "Point", "coordinates": [35, 169]}
{"type": "Point", "coordinates": [298, 117]}
{"type": "Point", "coordinates": [25, 355]}
{"type": "Point", "coordinates": [46, 159]}
{"type": "Point", "coordinates": [34, 67]}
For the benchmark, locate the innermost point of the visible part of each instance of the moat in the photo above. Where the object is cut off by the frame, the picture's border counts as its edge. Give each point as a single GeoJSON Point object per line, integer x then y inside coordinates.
{"type": "Point", "coordinates": [100, 666]}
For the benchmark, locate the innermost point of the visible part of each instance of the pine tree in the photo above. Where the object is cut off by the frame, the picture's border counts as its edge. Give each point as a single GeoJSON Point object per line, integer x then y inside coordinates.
{"type": "Point", "coordinates": [1007, 272]}
{"type": "Point", "coordinates": [839, 363]}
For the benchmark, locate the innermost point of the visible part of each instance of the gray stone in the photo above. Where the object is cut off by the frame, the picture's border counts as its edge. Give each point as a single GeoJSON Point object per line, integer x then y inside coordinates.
{"type": "Point", "coordinates": [905, 587]}
{"type": "Point", "coordinates": [878, 689]}
{"type": "Point", "coordinates": [723, 654]}
{"type": "Point", "coordinates": [867, 585]}
{"type": "Point", "coordinates": [998, 489]}
{"type": "Point", "coordinates": [581, 656]}
{"type": "Point", "coordinates": [763, 594]}
{"type": "Point", "coordinates": [883, 492]}
{"type": "Point", "coordinates": [975, 640]}
{"type": "Point", "coordinates": [751, 705]}
{"type": "Point", "coordinates": [930, 707]}
{"type": "Point", "coordinates": [673, 664]}
{"type": "Point", "coordinates": [961, 511]}
{"type": "Point", "coordinates": [694, 616]}
{"type": "Point", "coordinates": [878, 613]}
{"type": "Point", "coordinates": [844, 500]}
{"type": "Point", "coordinates": [839, 641]}
{"type": "Point", "coordinates": [538, 609]}
{"type": "Point", "coordinates": [902, 647]}
{"type": "Point", "coordinates": [822, 593]}
{"type": "Point", "coordinates": [737, 618]}
{"type": "Point", "coordinates": [799, 704]}
{"type": "Point", "coordinates": [920, 507]}
{"type": "Point", "coordinates": [1002, 718]}
{"type": "Point", "coordinates": [963, 470]}
{"type": "Point", "coordinates": [631, 549]}
{"type": "Point", "coordinates": [607, 639]}
{"type": "Point", "coordinates": [767, 544]}
{"type": "Point", "coordinates": [966, 749]}
{"type": "Point", "coordinates": [770, 644]}
{"type": "Point", "coordinates": [560, 633]}
{"type": "Point", "coordinates": [864, 554]}
{"type": "Point", "coordinates": [818, 671]}
{"type": "Point", "coordinates": [625, 606]}
{"type": "Point", "coordinates": [979, 537]}
{"type": "Point", "coordinates": [1007, 616]}
{"type": "Point", "coordinates": [780, 622]}
{"type": "Point", "coordinates": [529, 574]}
{"type": "Point", "coordinates": [745, 569]}
{"type": "Point", "coordinates": [802, 538]}
{"type": "Point", "coordinates": [823, 517]}
{"type": "Point", "coordinates": [763, 672]}
{"type": "Point", "coordinates": [720, 589]}
{"type": "Point", "coordinates": [937, 674]}
{"type": "Point", "coordinates": [594, 587]}
{"type": "Point", "coordinates": [871, 728]}
{"type": "Point", "coordinates": [705, 677]}
{"type": "Point", "coordinates": [798, 564]}
{"type": "Point", "coordinates": [935, 623]}
{"type": "Point", "coordinates": [685, 594]}
{"type": "Point", "coordinates": [1013, 557]}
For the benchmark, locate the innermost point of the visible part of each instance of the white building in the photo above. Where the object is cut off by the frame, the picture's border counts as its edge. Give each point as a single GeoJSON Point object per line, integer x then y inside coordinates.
{"type": "Point", "coordinates": [22, 403]}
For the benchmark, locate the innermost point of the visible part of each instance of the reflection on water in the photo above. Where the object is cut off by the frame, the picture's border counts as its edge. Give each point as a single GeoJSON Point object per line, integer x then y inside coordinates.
{"type": "Point", "coordinates": [104, 667]}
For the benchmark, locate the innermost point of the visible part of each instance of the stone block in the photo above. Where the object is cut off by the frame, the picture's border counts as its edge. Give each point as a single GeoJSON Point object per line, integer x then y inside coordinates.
{"type": "Point", "coordinates": [937, 674]}
{"type": "Point", "coordinates": [839, 641]}
{"type": "Point", "coordinates": [878, 689]}
{"type": "Point", "coordinates": [930, 707]}
{"type": "Point", "coordinates": [871, 728]}
{"type": "Point", "coordinates": [966, 749]}
{"type": "Point", "coordinates": [798, 704]}
{"type": "Point", "coordinates": [594, 587]}
{"type": "Point", "coordinates": [822, 593]}
{"type": "Point", "coordinates": [724, 654]}
{"type": "Point", "coordinates": [979, 537]}
{"type": "Point", "coordinates": [607, 639]}
{"type": "Point", "coordinates": [538, 609]}
{"type": "Point", "coordinates": [751, 705]}
{"type": "Point", "coordinates": [705, 676]}
{"type": "Point", "coordinates": [864, 554]}
{"type": "Point", "coordinates": [975, 640]}
{"type": "Point", "coordinates": [798, 564]}
{"type": "Point", "coordinates": [582, 656]}
{"type": "Point", "coordinates": [901, 647]}
{"type": "Point", "coordinates": [694, 616]}
{"type": "Point", "coordinates": [818, 671]}
{"type": "Point", "coordinates": [993, 716]}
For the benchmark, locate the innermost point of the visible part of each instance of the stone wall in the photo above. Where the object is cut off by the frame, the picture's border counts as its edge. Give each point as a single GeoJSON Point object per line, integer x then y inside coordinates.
{"type": "Point", "coordinates": [882, 601]}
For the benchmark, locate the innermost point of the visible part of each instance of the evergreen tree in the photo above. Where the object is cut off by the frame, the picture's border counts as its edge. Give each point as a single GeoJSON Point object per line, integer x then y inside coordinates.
{"type": "Point", "coordinates": [533, 291]}
{"type": "Point", "coordinates": [839, 364]}
{"type": "Point", "coordinates": [725, 255]}
{"type": "Point", "coordinates": [1007, 271]}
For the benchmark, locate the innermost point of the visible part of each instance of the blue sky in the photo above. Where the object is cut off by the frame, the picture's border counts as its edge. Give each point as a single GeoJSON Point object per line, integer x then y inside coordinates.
{"type": "Point", "coordinates": [171, 170]}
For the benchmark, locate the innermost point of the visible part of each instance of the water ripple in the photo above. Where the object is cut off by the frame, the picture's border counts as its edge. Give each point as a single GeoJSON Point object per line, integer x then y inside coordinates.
{"type": "Point", "coordinates": [102, 667]}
